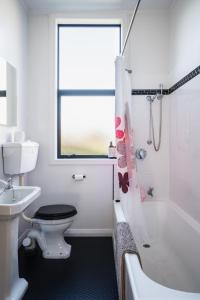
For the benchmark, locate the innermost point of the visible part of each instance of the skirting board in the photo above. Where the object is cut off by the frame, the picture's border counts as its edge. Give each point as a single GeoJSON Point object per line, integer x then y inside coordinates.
{"type": "Point", "coordinates": [89, 232]}
{"type": "Point", "coordinates": [76, 232]}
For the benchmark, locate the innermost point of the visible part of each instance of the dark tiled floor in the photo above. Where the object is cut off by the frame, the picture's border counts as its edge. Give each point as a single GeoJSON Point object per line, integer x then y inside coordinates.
{"type": "Point", "coordinates": [89, 274]}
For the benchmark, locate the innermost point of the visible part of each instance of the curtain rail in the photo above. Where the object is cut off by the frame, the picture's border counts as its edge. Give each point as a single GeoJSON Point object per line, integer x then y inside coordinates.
{"type": "Point", "coordinates": [130, 26]}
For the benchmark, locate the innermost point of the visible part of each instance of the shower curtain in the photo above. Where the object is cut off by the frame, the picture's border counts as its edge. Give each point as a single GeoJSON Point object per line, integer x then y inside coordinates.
{"type": "Point", "coordinates": [130, 193]}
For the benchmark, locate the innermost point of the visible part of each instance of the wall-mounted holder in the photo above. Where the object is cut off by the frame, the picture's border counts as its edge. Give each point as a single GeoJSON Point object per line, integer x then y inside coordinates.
{"type": "Point", "coordinates": [78, 177]}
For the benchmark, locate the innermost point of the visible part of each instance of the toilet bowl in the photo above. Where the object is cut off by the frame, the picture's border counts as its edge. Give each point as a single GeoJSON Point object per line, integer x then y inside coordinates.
{"type": "Point", "coordinates": [53, 221]}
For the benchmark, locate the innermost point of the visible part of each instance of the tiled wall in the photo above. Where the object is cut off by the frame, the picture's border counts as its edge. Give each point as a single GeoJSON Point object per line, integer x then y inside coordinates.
{"type": "Point", "coordinates": [185, 148]}
{"type": "Point", "coordinates": [149, 61]}
{"type": "Point", "coordinates": [185, 108]}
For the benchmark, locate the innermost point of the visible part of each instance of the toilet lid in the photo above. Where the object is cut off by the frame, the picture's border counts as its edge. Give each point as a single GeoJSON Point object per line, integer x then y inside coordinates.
{"type": "Point", "coordinates": [55, 212]}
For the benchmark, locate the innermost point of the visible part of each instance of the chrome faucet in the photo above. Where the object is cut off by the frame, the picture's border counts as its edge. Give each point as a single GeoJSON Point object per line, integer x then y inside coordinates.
{"type": "Point", "coordinates": [141, 153]}
{"type": "Point", "coordinates": [150, 191]}
{"type": "Point", "coordinates": [7, 185]}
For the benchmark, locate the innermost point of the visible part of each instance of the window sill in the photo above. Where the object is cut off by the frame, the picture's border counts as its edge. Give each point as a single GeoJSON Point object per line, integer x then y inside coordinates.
{"type": "Point", "coordinates": [84, 161]}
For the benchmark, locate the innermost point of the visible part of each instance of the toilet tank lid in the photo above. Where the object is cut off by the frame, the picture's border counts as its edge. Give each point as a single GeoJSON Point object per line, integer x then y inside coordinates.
{"type": "Point", "coordinates": [22, 144]}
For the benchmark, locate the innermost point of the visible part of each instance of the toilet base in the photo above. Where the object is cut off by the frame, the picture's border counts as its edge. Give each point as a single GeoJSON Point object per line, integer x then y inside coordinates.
{"type": "Point", "coordinates": [58, 251]}
{"type": "Point", "coordinates": [52, 244]}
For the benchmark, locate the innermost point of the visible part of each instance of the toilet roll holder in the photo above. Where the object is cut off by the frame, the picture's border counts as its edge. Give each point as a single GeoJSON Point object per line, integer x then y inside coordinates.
{"type": "Point", "coordinates": [74, 176]}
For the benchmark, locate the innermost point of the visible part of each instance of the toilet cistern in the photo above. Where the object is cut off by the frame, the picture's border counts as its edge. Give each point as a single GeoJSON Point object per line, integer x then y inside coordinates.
{"type": "Point", "coordinates": [20, 158]}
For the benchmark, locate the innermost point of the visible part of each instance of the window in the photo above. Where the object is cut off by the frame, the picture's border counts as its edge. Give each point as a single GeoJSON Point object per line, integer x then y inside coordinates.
{"type": "Point", "coordinates": [86, 89]}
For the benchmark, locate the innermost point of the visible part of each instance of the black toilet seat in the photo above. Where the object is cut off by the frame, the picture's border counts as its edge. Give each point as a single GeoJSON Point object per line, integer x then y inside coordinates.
{"type": "Point", "coordinates": [55, 212]}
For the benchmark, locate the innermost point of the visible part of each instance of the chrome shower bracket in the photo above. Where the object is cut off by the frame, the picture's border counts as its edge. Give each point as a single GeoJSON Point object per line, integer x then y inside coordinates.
{"type": "Point", "coordinates": [159, 96]}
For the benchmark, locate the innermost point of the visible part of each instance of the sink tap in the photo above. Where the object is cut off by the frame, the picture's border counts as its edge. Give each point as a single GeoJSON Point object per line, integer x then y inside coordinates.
{"type": "Point", "coordinates": [7, 185]}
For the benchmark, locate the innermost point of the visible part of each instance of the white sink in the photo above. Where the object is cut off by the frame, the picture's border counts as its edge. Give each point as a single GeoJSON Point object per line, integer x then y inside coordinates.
{"type": "Point", "coordinates": [15, 201]}
{"type": "Point", "coordinates": [12, 204]}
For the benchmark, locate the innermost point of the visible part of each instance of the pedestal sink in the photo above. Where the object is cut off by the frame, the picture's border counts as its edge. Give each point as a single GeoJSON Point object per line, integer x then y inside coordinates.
{"type": "Point", "coordinates": [12, 203]}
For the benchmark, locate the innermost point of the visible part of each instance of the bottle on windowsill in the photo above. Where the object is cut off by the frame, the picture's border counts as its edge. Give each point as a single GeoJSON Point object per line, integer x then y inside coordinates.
{"type": "Point", "coordinates": [111, 151]}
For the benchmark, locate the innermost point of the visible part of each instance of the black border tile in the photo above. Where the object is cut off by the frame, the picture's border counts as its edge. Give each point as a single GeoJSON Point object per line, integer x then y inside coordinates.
{"type": "Point", "coordinates": [173, 88]}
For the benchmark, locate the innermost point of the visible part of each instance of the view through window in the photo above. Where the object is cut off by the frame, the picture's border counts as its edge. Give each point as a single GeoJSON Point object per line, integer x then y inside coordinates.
{"type": "Point", "coordinates": [86, 88]}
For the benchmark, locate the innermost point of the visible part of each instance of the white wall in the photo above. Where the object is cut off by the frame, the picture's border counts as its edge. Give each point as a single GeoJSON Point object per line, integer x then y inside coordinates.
{"type": "Point", "coordinates": [185, 107]}
{"type": "Point", "coordinates": [149, 56]}
{"type": "Point", "coordinates": [13, 48]}
{"type": "Point", "coordinates": [163, 49]}
{"type": "Point", "coordinates": [184, 38]}
{"type": "Point", "coordinates": [92, 197]}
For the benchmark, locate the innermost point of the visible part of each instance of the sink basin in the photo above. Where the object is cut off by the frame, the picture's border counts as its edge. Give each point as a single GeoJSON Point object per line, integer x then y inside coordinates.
{"type": "Point", "coordinates": [16, 200]}
{"type": "Point", "coordinates": [12, 203]}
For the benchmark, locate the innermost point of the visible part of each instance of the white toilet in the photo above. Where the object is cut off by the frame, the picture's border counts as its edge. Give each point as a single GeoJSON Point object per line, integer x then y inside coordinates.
{"type": "Point", "coordinates": [53, 221]}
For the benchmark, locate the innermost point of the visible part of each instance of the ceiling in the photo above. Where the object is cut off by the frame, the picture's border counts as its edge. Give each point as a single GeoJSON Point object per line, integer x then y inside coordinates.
{"type": "Point", "coordinates": [92, 5]}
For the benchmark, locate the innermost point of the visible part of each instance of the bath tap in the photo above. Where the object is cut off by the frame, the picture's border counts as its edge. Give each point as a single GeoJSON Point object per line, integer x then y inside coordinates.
{"type": "Point", "coordinates": [141, 153]}
{"type": "Point", "coordinates": [150, 191]}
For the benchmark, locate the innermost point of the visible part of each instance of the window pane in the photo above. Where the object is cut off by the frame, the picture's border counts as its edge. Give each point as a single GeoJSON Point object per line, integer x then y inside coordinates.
{"type": "Point", "coordinates": [87, 56]}
{"type": "Point", "coordinates": [87, 125]}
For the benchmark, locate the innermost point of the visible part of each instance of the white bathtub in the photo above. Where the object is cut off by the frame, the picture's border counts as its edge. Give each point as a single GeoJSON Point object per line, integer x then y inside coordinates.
{"type": "Point", "coordinates": [171, 266]}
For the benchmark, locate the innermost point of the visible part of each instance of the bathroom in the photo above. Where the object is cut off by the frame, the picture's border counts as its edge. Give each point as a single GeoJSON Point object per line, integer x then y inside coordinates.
{"type": "Point", "coordinates": [146, 244]}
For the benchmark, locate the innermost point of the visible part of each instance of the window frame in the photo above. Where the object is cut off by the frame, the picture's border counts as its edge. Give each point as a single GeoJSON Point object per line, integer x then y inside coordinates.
{"type": "Point", "coordinates": [78, 92]}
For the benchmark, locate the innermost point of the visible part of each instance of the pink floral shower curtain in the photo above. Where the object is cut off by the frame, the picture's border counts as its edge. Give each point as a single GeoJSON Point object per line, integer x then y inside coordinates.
{"type": "Point", "coordinates": [130, 194]}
